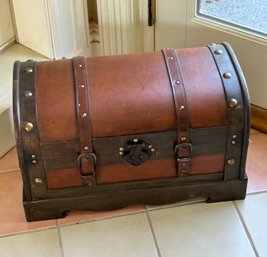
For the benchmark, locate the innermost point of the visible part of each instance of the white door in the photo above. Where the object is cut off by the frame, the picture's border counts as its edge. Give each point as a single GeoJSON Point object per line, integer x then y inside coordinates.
{"type": "Point", "coordinates": [242, 23]}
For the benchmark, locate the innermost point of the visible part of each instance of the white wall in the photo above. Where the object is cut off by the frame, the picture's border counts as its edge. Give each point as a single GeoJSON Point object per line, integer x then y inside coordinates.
{"type": "Point", "coordinates": [7, 32]}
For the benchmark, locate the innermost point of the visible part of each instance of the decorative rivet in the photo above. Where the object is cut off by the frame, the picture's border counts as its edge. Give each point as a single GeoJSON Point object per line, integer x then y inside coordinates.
{"type": "Point", "coordinates": [33, 156]}
{"type": "Point", "coordinates": [233, 142]}
{"type": "Point", "coordinates": [82, 86]}
{"type": "Point", "coordinates": [152, 150]}
{"type": "Point", "coordinates": [80, 65]}
{"type": "Point", "coordinates": [227, 75]}
{"type": "Point", "coordinates": [231, 162]}
{"type": "Point", "coordinates": [177, 82]}
{"type": "Point", "coordinates": [150, 146]}
{"type": "Point", "coordinates": [183, 138]}
{"type": "Point", "coordinates": [181, 107]}
{"type": "Point", "coordinates": [218, 52]}
{"type": "Point", "coordinates": [121, 153]}
{"type": "Point", "coordinates": [27, 94]}
{"type": "Point", "coordinates": [171, 58]}
{"type": "Point", "coordinates": [121, 149]}
{"type": "Point", "coordinates": [135, 140]}
{"type": "Point", "coordinates": [86, 148]}
{"type": "Point", "coordinates": [84, 114]}
{"type": "Point", "coordinates": [234, 136]}
{"type": "Point", "coordinates": [232, 103]}
{"type": "Point", "coordinates": [38, 180]}
{"type": "Point", "coordinates": [34, 161]}
{"type": "Point", "coordinates": [29, 70]}
{"type": "Point", "coordinates": [28, 126]}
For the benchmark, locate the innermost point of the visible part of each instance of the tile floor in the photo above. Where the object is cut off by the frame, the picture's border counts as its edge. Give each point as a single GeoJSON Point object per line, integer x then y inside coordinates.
{"type": "Point", "coordinates": [185, 229]}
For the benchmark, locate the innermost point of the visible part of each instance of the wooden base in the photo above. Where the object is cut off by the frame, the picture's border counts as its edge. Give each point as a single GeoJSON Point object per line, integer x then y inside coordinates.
{"type": "Point", "coordinates": [213, 191]}
{"type": "Point", "coordinates": [259, 118]}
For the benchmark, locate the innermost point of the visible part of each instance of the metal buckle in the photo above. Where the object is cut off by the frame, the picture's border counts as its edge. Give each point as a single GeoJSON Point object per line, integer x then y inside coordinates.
{"type": "Point", "coordinates": [87, 155]}
{"type": "Point", "coordinates": [181, 145]}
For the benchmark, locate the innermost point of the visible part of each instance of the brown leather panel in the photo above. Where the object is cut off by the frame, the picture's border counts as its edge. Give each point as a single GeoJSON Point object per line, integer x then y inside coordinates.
{"type": "Point", "coordinates": [55, 98]}
{"type": "Point", "coordinates": [204, 88]}
{"type": "Point", "coordinates": [60, 178]}
{"type": "Point", "coordinates": [130, 94]}
{"type": "Point", "coordinates": [207, 164]}
{"type": "Point", "coordinates": [126, 172]}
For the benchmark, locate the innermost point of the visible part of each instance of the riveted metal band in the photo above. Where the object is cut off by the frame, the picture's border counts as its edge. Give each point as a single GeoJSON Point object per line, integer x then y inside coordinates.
{"type": "Point", "coordinates": [183, 148]}
{"type": "Point", "coordinates": [235, 110]}
{"type": "Point", "coordinates": [86, 158]}
{"type": "Point", "coordinates": [28, 142]}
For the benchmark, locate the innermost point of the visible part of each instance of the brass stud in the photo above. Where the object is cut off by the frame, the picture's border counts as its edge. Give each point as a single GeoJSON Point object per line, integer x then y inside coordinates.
{"type": "Point", "coordinates": [218, 52]}
{"type": "Point", "coordinates": [38, 181]}
{"type": "Point", "coordinates": [232, 103]}
{"type": "Point", "coordinates": [152, 150]}
{"type": "Point", "coordinates": [27, 94]}
{"type": "Point", "coordinates": [121, 153]}
{"type": "Point", "coordinates": [181, 107]}
{"type": "Point", "coordinates": [28, 126]}
{"type": "Point", "coordinates": [34, 161]}
{"type": "Point", "coordinates": [84, 114]}
{"type": "Point", "coordinates": [121, 149]}
{"type": "Point", "coordinates": [86, 148]}
{"type": "Point", "coordinates": [231, 162]}
{"type": "Point", "coordinates": [233, 142]}
{"type": "Point", "coordinates": [227, 75]}
{"type": "Point", "coordinates": [150, 146]}
{"type": "Point", "coordinates": [177, 82]}
{"type": "Point", "coordinates": [171, 58]}
{"type": "Point", "coordinates": [234, 136]}
{"type": "Point", "coordinates": [29, 70]}
{"type": "Point", "coordinates": [135, 140]}
{"type": "Point", "coordinates": [33, 156]}
{"type": "Point", "coordinates": [183, 138]}
{"type": "Point", "coordinates": [82, 86]}
{"type": "Point", "coordinates": [80, 65]}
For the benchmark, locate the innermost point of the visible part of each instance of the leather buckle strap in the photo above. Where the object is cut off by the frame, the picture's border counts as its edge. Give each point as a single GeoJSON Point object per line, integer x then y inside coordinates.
{"type": "Point", "coordinates": [86, 158]}
{"type": "Point", "coordinates": [183, 148]}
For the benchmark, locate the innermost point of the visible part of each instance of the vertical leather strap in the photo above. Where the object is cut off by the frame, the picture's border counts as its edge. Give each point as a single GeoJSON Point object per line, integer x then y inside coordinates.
{"type": "Point", "coordinates": [86, 158]}
{"type": "Point", "coordinates": [183, 147]}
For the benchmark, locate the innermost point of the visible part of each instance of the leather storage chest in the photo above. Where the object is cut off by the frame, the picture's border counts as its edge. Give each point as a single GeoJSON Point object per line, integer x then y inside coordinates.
{"type": "Point", "coordinates": [102, 133]}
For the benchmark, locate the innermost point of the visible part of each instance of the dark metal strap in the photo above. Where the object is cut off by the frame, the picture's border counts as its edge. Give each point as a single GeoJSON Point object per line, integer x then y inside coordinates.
{"type": "Point", "coordinates": [86, 158]}
{"type": "Point", "coordinates": [183, 148]}
{"type": "Point", "coordinates": [235, 110]}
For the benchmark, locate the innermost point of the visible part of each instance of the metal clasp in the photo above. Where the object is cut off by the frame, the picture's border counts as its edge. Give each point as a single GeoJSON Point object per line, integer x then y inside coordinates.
{"type": "Point", "coordinates": [182, 145]}
{"type": "Point", "coordinates": [88, 179]}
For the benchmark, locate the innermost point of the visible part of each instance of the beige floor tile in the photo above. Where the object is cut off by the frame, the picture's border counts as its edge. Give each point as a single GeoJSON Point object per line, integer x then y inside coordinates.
{"type": "Point", "coordinates": [12, 218]}
{"type": "Point", "coordinates": [254, 212]}
{"type": "Point", "coordinates": [121, 236]}
{"type": "Point", "coordinates": [76, 217]}
{"type": "Point", "coordinates": [256, 163]}
{"type": "Point", "coordinates": [36, 244]}
{"type": "Point", "coordinates": [9, 162]}
{"type": "Point", "coordinates": [200, 230]}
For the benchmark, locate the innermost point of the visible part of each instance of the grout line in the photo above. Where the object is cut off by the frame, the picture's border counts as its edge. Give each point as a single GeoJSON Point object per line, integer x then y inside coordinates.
{"type": "Point", "coordinates": [258, 192]}
{"type": "Point", "coordinates": [95, 220]}
{"type": "Point", "coordinates": [9, 170]}
{"type": "Point", "coordinates": [60, 241]}
{"type": "Point", "coordinates": [246, 230]}
{"type": "Point", "coordinates": [153, 233]}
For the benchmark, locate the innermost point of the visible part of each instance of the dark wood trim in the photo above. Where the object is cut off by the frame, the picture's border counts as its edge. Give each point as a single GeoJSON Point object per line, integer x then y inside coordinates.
{"type": "Point", "coordinates": [259, 118]}
{"type": "Point", "coordinates": [212, 191]}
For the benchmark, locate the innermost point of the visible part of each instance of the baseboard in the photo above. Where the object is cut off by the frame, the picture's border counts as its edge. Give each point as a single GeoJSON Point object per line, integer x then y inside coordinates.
{"type": "Point", "coordinates": [259, 118]}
